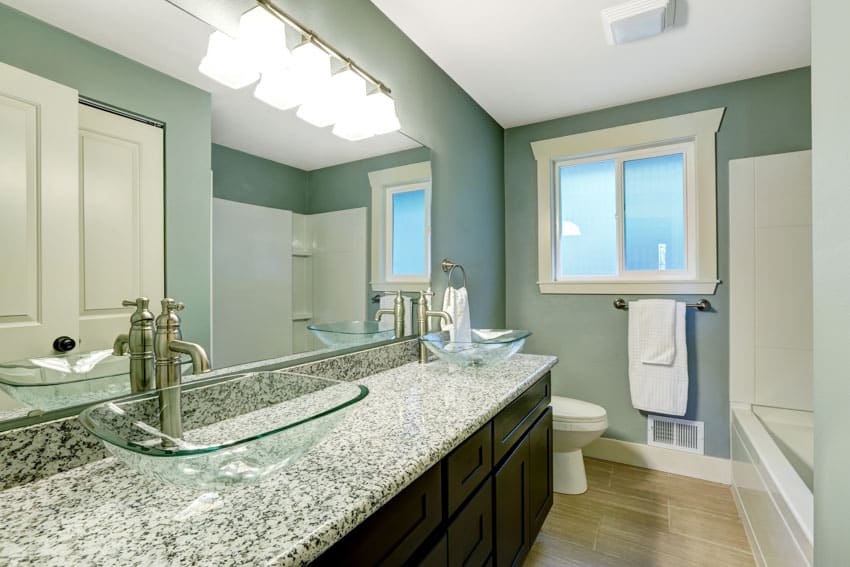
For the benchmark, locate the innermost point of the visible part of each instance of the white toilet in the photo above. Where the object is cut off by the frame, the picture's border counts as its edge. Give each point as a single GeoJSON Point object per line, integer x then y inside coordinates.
{"type": "Point", "coordinates": [576, 424]}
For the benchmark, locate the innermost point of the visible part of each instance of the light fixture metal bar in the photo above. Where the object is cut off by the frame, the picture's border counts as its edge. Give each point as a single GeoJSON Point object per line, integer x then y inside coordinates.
{"type": "Point", "coordinates": [311, 36]}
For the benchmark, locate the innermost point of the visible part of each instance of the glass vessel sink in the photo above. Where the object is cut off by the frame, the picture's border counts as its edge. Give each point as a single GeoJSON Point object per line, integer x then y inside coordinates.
{"type": "Point", "coordinates": [350, 333]}
{"type": "Point", "coordinates": [487, 347]}
{"type": "Point", "coordinates": [237, 431]}
{"type": "Point", "coordinates": [67, 380]}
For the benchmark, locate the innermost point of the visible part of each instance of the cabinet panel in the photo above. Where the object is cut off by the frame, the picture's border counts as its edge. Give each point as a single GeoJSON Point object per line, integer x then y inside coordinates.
{"type": "Point", "coordinates": [540, 472]}
{"type": "Point", "coordinates": [471, 533]}
{"type": "Point", "coordinates": [468, 465]}
{"type": "Point", "coordinates": [513, 421]}
{"type": "Point", "coordinates": [512, 507]}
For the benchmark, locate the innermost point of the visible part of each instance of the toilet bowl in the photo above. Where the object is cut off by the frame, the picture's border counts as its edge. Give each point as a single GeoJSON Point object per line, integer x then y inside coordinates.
{"type": "Point", "coordinates": [576, 424]}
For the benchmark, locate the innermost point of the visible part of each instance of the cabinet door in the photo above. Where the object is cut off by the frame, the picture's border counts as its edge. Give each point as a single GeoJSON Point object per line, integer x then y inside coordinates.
{"type": "Point", "coordinates": [470, 534]}
{"type": "Point", "coordinates": [540, 471]}
{"type": "Point", "coordinates": [38, 214]}
{"type": "Point", "coordinates": [512, 507]}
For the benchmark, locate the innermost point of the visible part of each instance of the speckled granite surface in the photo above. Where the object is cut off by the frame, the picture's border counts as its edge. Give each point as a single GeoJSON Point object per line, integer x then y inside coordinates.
{"type": "Point", "coordinates": [106, 514]}
{"type": "Point", "coordinates": [31, 453]}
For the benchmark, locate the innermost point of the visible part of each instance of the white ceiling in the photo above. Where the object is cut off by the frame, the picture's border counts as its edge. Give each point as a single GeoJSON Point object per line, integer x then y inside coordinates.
{"type": "Point", "coordinates": [533, 60]}
{"type": "Point", "coordinates": [159, 35]}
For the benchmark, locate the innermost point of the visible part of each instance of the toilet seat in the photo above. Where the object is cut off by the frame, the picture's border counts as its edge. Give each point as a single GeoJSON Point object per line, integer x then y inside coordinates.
{"type": "Point", "coordinates": [569, 414]}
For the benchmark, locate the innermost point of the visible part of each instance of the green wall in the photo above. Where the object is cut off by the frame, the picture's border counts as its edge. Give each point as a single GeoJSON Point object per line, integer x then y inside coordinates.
{"type": "Point", "coordinates": [765, 115]}
{"type": "Point", "coordinates": [246, 178]}
{"type": "Point", "coordinates": [108, 77]}
{"type": "Point", "coordinates": [466, 144]}
{"type": "Point", "coordinates": [831, 266]}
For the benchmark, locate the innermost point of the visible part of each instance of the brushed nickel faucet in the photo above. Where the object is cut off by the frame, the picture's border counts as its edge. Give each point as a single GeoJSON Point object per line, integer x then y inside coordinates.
{"type": "Point", "coordinates": [423, 316]}
{"type": "Point", "coordinates": [138, 343]}
{"type": "Point", "coordinates": [398, 315]}
{"type": "Point", "coordinates": [168, 346]}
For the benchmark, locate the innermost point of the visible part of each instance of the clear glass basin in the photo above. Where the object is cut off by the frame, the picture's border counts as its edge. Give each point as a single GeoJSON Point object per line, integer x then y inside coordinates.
{"type": "Point", "coordinates": [67, 380]}
{"type": "Point", "coordinates": [237, 431]}
{"type": "Point", "coordinates": [487, 347]}
{"type": "Point", "coordinates": [350, 333]}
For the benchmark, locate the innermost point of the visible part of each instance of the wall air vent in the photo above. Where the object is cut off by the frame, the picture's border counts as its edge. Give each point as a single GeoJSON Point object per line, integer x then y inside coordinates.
{"type": "Point", "coordinates": [678, 434]}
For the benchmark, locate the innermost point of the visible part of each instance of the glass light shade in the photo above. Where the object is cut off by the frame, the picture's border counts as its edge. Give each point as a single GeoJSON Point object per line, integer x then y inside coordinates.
{"type": "Point", "coordinates": [262, 37]}
{"type": "Point", "coordinates": [225, 62]}
{"type": "Point", "coordinates": [569, 228]}
{"type": "Point", "coordinates": [344, 92]}
{"type": "Point", "coordinates": [354, 124]}
{"type": "Point", "coordinates": [280, 89]}
{"type": "Point", "coordinates": [381, 111]}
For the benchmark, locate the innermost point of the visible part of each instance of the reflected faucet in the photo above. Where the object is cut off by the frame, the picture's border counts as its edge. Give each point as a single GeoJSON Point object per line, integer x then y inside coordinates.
{"type": "Point", "coordinates": [139, 344]}
{"type": "Point", "coordinates": [398, 315]}
{"type": "Point", "coordinates": [168, 346]}
{"type": "Point", "coordinates": [423, 315]}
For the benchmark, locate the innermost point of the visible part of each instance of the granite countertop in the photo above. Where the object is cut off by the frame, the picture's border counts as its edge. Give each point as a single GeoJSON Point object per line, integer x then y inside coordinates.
{"type": "Point", "coordinates": [107, 514]}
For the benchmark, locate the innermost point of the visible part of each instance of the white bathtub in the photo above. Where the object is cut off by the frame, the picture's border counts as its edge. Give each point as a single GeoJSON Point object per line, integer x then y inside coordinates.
{"type": "Point", "coordinates": [771, 456]}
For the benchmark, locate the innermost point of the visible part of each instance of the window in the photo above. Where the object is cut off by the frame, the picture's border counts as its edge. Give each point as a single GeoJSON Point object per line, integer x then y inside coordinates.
{"type": "Point", "coordinates": [401, 227]}
{"type": "Point", "coordinates": [629, 209]}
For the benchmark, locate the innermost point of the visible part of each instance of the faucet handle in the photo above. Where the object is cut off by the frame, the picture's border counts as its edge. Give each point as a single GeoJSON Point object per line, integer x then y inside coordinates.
{"type": "Point", "coordinates": [138, 303]}
{"type": "Point", "coordinates": [169, 304]}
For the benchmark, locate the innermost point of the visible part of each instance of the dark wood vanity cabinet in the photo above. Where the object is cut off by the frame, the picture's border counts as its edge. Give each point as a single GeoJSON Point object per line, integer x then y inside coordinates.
{"type": "Point", "coordinates": [483, 504]}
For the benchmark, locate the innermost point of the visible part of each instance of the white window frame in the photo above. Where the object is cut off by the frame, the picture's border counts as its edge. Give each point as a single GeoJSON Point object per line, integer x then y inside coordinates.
{"type": "Point", "coordinates": [386, 183]}
{"type": "Point", "coordinates": [696, 132]}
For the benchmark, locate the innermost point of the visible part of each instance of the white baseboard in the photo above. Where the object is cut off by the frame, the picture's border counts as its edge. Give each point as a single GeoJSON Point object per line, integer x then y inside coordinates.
{"type": "Point", "coordinates": [704, 467]}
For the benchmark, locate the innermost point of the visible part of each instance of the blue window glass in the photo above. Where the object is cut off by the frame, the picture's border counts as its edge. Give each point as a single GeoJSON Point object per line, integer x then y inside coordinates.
{"type": "Point", "coordinates": [408, 233]}
{"type": "Point", "coordinates": [588, 223]}
{"type": "Point", "coordinates": [654, 225]}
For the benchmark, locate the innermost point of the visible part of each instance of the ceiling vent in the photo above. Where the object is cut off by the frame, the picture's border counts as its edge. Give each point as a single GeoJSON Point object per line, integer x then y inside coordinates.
{"type": "Point", "coordinates": [637, 19]}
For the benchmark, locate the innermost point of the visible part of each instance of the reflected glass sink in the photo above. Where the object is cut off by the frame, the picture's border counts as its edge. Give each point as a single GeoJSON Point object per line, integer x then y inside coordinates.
{"type": "Point", "coordinates": [67, 380]}
{"type": "Point", "coordinates": [487, 347]}
{"type": "Point", "coordinates": [350, 333]}
{"type": "Point", "coordinates": [235, 432]}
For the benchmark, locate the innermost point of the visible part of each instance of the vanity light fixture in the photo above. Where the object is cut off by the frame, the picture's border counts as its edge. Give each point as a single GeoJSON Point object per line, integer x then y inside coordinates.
{"type": "Point", "coordinates": [342, 95]}
{"type": "Point", "coordinates": [287, 86]}
{"type": "Point", "coordinates": [225, 63]}
{"type": "Point", "coordinates": [301, 77]}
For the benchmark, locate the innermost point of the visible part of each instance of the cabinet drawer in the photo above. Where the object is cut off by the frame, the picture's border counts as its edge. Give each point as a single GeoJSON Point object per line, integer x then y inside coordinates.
{"type": "Point", "coordinates": [396, 531]}
{"type": "Point", "coordinates": [468, 466]}
{"type": "Point", "coordinates": [513, 421]}
{"type": "Point", "coordinates": [471, 533]}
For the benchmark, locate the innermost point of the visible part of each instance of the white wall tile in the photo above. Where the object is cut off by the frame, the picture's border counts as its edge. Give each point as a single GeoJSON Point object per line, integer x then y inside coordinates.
{"type": "Point", "coordinates": [784, 287]}
{"type": "Point", "coordinates": [784, 378]}
{"type": "Point", "coordinates": [742, 280]}
{"type": "Point", "coordinates": [784, 189]}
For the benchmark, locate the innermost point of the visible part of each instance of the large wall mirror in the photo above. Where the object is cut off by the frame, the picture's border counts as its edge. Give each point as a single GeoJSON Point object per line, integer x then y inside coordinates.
{"type": "Point", "coordinates": [282, 238]}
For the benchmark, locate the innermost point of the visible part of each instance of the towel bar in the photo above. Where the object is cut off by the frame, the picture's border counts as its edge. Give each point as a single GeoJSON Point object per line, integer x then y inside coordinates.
{"type": "Point", "coordinates": [701, 305]}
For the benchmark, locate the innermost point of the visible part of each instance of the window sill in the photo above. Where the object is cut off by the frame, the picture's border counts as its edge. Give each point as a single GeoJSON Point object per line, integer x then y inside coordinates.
{"type": "Point", "coordinates": [670, 287]}
{"type": "Point", "coordinates": [400, 286]}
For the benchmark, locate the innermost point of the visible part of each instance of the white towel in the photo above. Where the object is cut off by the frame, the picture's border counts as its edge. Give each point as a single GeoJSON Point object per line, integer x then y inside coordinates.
{"type": "Point", "coordinates": [388, 302]}
{"type": "Point", "coordinates": [657, 324]}
{"type": "Point", "coordinates": [655, 387]}
{"type": "Point", "coordinates": [456, 304]}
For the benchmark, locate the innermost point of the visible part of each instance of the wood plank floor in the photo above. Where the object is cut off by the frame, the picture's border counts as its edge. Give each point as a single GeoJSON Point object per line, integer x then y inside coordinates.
{"type": "Point", "coordinates": [633, 517]}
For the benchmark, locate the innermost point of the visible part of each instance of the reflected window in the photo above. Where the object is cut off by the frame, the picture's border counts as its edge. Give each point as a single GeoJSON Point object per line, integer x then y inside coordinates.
{"type": "Point", "coordinates": [401, 227]}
